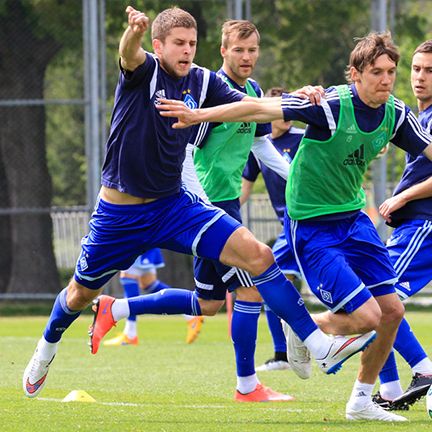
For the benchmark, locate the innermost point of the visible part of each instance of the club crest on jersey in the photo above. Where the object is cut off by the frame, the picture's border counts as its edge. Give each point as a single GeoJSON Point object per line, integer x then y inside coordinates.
{"type": "Point", "coordinates": [190, 101]}
{"type": "Point", "coordinates": [325, 295]}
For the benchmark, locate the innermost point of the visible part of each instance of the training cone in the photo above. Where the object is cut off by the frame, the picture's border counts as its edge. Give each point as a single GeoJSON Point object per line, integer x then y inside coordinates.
{"type": "Point", "coordinates": [78, 396]}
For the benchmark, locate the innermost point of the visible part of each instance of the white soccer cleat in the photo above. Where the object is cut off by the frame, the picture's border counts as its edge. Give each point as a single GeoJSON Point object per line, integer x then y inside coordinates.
{"type": "Point", "coordinates": [35, 374]}
{"type": "Point", "coordinates": [341, 349]}
{"type": "Point", "coordinates": [372, 411]}
{"type": "Point", "coordinates": [273, 365]}
{"type": "Point", "coordinates": [298, 355]}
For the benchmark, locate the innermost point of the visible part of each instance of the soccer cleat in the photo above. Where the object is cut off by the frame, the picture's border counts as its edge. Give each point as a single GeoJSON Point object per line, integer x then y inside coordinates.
{"type": "Point", "coordinates": [193, 328]}
{"type": "Point", "coordinates": [388, 404]}
{"type": "Point", "coordinates": [298, 355]}
{"type": "Point", "coordinates": [35, 375]}
{"type": "Point", "coordinates": [103, 321]}
{"type": "Point", "coordinates": [416, 390]}
{"type": "Point", "coordinates": [372, 411]}
{"type": "Point", "coordinates": [121, 339]}
{"type": "Point", "coordinates": [272, 365]}
{"type": "Point", "coordinates": [341, 349]}
{"type": "Point", "coordinates": [262, 394]}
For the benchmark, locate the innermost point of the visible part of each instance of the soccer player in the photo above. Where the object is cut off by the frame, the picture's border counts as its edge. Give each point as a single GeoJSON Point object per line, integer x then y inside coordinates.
{"type": "Point", "coordinates": [142, 275]}
{"type": "Point", "coordinates": [286, 139]}
{"type": "Point", "coordinates": [220, 152]}
{"type": "Point", "coordinates": [335, 243]}
{"type": "Point", "coordinates": [409, 210]}
{"type": "Point", "coordinates": [143, 205]}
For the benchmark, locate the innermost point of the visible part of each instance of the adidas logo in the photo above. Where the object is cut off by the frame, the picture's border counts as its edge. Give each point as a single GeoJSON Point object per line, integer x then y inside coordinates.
{"type": "Point", "coordinates": [160, 94]}
{"type": "Point", "coordinates": [405, 285]}
{"type": "Point", "coordinates": [352, 129]}
{"type": "Point", "coordinates": [245, 128]}
{"type": "Point", "coordinates": [356, 158]}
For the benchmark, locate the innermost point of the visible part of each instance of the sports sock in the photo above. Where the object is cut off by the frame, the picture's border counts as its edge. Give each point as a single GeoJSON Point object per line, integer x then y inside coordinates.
{"type": "Point", "coordinates": [276, 331]}
{"type": "Point", "coordinates": [247, 384]}
{"type": "Point", "coordinates": [169, 301]}
{"type": "Point", "coordinates": [244, 327]}
{"type": "Point", "coordinates": [391, 390]}
{"type": "Point", "coordinates": [389, 371]}
{"type": "Point", "coordinates": [46, 350]}
{"type": "Point", "coordinates": [130, 329]}
{"type": "Point", "coordinates": [423, 367]}
{"type": "Point", "coordinates": [60, 319]}
{"type": "Point", "coordinates": [361, 395]}
{"type": "Point", "coordinates": [285, 301]}
{"type": "Point", "coordinates": [131, 289]}
{"type": "Point", "coordinates": [407, 345]}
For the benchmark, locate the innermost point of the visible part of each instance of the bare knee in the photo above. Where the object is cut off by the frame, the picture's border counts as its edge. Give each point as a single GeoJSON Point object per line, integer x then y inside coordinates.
{"type": "Point", "coordinates": [259, 258]}
{"type": "Point", "coordinates": [210, 307]}
{"type": "Point", "coordinates": [79, 297]}
{"type": "Point", "coordinates": [248, 294]}
{"type": "Point", "coordinates": [368, 317]}
{"type": "Point", "coordinates": [392, 311]}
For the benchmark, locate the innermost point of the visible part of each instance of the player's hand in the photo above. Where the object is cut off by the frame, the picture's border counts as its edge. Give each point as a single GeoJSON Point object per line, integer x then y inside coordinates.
{"type": "Point", "coordinates": [137, 21]}
{"type": "Point", "coordinates": [313, 93]}
{"type": "Point", "coordinates": [175, 108]}
{"type": "Point", "coordinates": [390, 205]}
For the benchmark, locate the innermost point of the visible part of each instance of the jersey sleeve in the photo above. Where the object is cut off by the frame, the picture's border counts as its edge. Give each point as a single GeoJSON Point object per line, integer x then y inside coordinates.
{"type": "Point", "coordinates": [142, 73]}
{"type": "Point", "coordinates": [252, 169]}
{"type": "Point", "coordinates": [220, 93]}
{"type": "Point", "coordinates": [409, 134]}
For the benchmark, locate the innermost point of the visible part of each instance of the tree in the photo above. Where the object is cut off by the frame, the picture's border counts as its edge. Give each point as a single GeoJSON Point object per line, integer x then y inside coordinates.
{"type": "Point", "coordinates": [29, 40]}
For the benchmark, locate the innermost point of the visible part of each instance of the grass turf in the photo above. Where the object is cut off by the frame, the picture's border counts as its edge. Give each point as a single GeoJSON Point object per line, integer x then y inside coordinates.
{"type": "Point", "coordinates": [164, 384]}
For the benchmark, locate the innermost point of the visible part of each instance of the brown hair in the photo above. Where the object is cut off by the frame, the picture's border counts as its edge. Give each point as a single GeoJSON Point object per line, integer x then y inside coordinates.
{"type": "Point", "coordinates": [368, 49]}
{"type": "Point", "coordinates": [242, 28]}
{"type": "Point", "coordinates": [425, 47]}
{"type": "Point", "coordinates": [169, 19]}
{"type": "Point", "coordinates": [275, 92]}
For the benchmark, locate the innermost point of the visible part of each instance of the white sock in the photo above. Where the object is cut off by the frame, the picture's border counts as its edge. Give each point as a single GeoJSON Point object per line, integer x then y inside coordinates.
{"type": "Point", "coordinates": [318, 343]}
{"type": "Point", "coordinates": [120, 309]}
{"type": "Point", "coordinates": [130, 329]}
{"type": "Point", "coordinates": [391, 390]}
{"type": "Point", "coordinates": [45, 349]}
{"type": "Point", "coordinates": [361, 394]}
{"type": "Point", "coordinates": [423, 367]}
{"type": "Point", "coordinates": [247, 384]}
{"type": "Point", "coordinates": [188, 317]}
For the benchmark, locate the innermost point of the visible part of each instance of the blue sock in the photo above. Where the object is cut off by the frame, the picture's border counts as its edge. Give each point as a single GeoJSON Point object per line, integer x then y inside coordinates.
{"type": "Point", "coordinates": [131, 289]}
{"type": "Point", "coordinates": [389, 371]}
{"type": "Point", "coordinates": [169, 301]}
{"type": "Point", "coordinates": [407, 345]}
{"type": "Point", "coordinates": [156, 286]}
{"type": "Point", "coordinates": [285, 301]}
{"type": "Point", "coordinates": [244, 329]}
{"type": "Point", "coordinates": [60, 319]}
{"type": "Point", "coordinates": [276, 331]}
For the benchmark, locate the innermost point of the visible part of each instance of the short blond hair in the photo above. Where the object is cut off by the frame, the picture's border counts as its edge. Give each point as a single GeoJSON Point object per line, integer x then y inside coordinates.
{"type": "Point", "coordinates": [169, 19]}
{"type": "Point", "coordinates": [241, 28]}
{"type": "Point", "coordinates": [368, 49]}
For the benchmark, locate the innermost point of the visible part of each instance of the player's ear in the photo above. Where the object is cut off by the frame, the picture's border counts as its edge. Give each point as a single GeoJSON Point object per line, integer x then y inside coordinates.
{"type": "Point", "coordinates": [222, 51]}
{"type": "Point", "coordinates": [354, 73]}
{"type": "Point", "coordinates": [157, 46]}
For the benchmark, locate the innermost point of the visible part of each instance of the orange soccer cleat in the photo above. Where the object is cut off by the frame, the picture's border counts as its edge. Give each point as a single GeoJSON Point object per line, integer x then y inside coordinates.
{"type": "Point", "coordinates": [121, 339]}
{"type": "Point", "coordinates": [103, 321]}
{"type": "Point", "coordinates": [262, 394]}
{"type": "Point", "coordinates": [194, 328]}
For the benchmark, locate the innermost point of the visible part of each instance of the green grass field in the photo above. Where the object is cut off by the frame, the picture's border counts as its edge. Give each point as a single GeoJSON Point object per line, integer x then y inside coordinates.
{"type": "Point", "coordinates": [165, 385]}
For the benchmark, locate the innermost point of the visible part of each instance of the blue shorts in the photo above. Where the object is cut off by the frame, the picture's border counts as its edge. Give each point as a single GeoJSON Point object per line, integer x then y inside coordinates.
{"type": "Point", "coordinates": [148, 262]}
{"type": "Point", "coordinates": [120, 233]}
{"type": "Point", "coordinates": [284, 256]}
{"type": "Point", "coordinates": [344, 262]}
{"type": "Point", "coordinates": [410, 249]}
{"type": "Point", "coordinates": [212, 278]}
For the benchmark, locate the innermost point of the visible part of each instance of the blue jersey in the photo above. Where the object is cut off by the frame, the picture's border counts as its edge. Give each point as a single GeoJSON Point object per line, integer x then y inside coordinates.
{"type": "Point", "coordinates": [417, 170]}
{"type": "Point", "coordinates": [201, 132]}
{"type": "Point", "coordinates": [287, 145]}
{"type": "Point", "coordinates": [322, 119]}
{"type": "Point", "coordinates": [144, 155]}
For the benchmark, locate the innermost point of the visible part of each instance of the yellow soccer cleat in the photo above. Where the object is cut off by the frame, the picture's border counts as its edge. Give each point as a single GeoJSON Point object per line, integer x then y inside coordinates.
{"type": "Point", "coordinates": [194, 328]}
{"type": "Point", "coordinates": [121, 339]}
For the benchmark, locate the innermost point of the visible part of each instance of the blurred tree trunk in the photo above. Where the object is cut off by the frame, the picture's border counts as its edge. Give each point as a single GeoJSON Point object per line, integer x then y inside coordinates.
{"type": "Point", "coordinates": [29, 248]}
